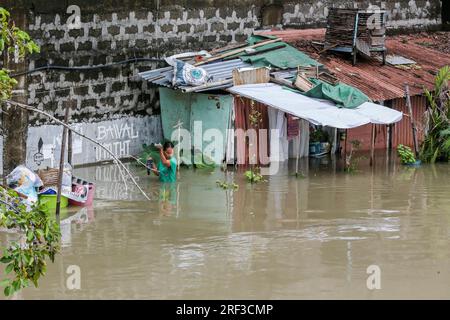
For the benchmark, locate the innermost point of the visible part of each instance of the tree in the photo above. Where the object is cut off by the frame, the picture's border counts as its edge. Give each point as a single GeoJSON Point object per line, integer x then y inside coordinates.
{"type": "Point", "coordinates": [436, 146]}
{"type": "Point", "coordinates": [38, 233]}
{"type": "Point", "coordinates": [39, 236]}
{"type": "Point", "coordinates": [16, 43]}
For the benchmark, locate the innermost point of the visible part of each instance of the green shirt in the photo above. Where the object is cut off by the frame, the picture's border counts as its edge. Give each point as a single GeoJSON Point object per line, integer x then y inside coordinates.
{"type": "Point", "coordinates": [168, 174]}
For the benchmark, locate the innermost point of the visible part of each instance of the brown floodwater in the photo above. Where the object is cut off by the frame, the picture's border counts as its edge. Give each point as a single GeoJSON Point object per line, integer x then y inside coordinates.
{"type": "Point", "coordinates": [291, 237]}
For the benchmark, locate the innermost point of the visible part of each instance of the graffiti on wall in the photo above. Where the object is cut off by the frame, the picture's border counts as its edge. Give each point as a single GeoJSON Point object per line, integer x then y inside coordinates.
{"type": "Point", "coordinates": [123, 137]}
{"type": "Point", "coordinates": [117, 138]}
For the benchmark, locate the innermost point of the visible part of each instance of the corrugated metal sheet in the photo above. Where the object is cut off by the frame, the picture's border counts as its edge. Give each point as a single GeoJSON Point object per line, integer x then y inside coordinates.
{"type": "Point", "coordinates": [242, 110]}
{"type": "Point", "coordinates": [401, 131]}
{"type": "Point", "coordinates": [218, 70]}
{"type": "Point", "coordinates": [378, 82]}
{"type": "Point", "coordinates": [364, 135]}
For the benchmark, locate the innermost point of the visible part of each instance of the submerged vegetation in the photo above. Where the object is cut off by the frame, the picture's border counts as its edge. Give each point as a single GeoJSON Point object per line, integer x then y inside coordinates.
{"type": "Point", "coordinates": [38, 235]}
{"type": "Point", "coordinates": [254, 176]}
{"type": "Point", "coordinates": [227, 185]}
{"type": "Point", "coordinates": [436, 146]}
{"type": "Point", "coordinates": [406, 155]}
{"type": "Point", "coordinates": [351, 162]}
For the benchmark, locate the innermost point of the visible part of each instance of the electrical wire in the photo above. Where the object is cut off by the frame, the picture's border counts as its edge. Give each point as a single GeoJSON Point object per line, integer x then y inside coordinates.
{"type": "Point", "coordinates": [86, 68]}
{"type": "Point", "coordinates": [83, 68]}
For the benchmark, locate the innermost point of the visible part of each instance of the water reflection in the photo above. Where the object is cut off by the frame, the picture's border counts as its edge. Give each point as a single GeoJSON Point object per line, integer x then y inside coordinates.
{"type": "Point", "coordinates": [83, 216]}
{"type": "Point", "coordinates": [310, 236]}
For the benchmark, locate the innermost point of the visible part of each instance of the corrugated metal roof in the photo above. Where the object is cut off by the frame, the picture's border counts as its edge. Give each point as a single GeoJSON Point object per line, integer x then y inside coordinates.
{"type": "Point", "coordinates": [378, 82]}
{"type": "Point", "coordinates": [219, 71]}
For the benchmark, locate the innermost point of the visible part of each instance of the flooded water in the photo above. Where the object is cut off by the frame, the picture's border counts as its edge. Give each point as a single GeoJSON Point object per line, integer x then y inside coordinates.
{"type": "Point", "coordinates": [287, 238]}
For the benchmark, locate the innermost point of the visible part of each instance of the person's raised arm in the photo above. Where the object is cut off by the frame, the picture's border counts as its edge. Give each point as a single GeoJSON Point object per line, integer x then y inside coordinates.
{"type": "Point", "coordinates": [164, 160]}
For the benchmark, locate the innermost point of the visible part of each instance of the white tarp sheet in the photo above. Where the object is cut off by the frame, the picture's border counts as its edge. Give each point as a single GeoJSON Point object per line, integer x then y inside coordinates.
{"type": "Point", "coordinates": [316, 111]}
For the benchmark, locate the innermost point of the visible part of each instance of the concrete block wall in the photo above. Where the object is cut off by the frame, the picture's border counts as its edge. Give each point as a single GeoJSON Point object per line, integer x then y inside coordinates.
{"type": "Point", "coordinates": [112, 31]}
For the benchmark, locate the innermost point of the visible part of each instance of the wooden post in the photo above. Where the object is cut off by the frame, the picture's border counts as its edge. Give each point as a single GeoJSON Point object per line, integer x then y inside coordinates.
{"type": "Point", "coordinates": [413, 124]}
{"type": "Point", "coordinates": [372, 145]}
{"type": "Point", "coordinates": [298, 150]}
{"type": "Point", "coordinates": [345, 145]}
{"type": "Point", "coordinates": [69, 147]}
{"type": "Point", "coordinates": [178, 127]}
{"type": "Point", "coordinates": [61, 163]}
{"type": "Point", "coordinates": [389, 130]}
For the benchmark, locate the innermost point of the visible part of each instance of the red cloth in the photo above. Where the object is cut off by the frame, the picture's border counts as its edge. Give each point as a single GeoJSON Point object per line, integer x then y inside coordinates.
{"type": "Point", "coordinates": [293, 127]}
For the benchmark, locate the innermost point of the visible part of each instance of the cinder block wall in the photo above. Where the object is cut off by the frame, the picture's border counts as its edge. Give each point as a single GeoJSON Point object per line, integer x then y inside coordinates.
{"type": "Point", "coordinates": [113, 31]}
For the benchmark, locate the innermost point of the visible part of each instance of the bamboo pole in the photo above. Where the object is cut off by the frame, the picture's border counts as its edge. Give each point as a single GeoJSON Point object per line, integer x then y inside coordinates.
{"type": "Point", "coordinates": [208, 85]}
{"type": "Point", "coordinates": [120, 163]}
{"type": "Point", "coordinates": [233, 52]}
{"type": "Point", "coordinates": [61, 163]}
{"type": "Point", "coordinates": [372, 145]}
{"type": "Point", "coordinates": [298, 151]}
{"type": "Point", "coordinates": [413, 124]}
{"type": "Point", "coordinates": [345, 147]}
{"type": "Point", "coordinates": [69, 147]}
{"type": "Point", "coordinates": [178, 127]}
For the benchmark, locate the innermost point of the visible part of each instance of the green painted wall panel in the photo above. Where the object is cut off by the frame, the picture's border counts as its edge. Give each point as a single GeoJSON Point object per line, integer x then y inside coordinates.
{"type": "Point", "coordinates": [211, 109]}
{"type": "Point", "coordinates": [175, 106]}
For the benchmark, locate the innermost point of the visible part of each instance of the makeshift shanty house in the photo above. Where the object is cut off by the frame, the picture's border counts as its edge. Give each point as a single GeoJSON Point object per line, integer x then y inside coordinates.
{"type": "Point", "coordinates": [287, 89]}
{"type": "Point", "coordinates": [408, 62]}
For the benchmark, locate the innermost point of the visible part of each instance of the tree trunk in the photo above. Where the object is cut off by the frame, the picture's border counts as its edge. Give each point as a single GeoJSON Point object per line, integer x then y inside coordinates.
{"type": "Point", "coordinates": [15, 119]}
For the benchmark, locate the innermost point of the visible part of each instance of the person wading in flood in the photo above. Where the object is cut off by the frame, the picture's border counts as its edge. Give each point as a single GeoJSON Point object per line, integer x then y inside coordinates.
{"type": "Point", "coordinates": [167, 167]}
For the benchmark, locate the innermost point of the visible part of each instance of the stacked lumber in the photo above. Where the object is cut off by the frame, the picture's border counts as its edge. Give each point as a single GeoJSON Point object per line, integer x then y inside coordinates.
{"type": "Point", "coordinates": [341, 23]}
{"type": "Point", "coordinates": [341, 26]}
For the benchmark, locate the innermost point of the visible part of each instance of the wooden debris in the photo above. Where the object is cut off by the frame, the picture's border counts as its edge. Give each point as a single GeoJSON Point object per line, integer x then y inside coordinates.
{"type": "Point", "coordinates": [251, 76]}
{"type": "Point", "coordinates": [283, 82]}
{"type": "Point", "coordinates": [309, 71]}
{"type": "Point", "coordinates": [303, 83]}
{"type": "Point", "coordinates": [234, 52]}
{"type": "Point", "coordinates": [328, 78]}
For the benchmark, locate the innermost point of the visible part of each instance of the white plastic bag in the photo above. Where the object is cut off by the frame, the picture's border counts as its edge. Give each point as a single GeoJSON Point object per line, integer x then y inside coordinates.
{"type": "Point", "coordinates": [25, 181]}
{"type": "Point", "coordinates": [185, 74]}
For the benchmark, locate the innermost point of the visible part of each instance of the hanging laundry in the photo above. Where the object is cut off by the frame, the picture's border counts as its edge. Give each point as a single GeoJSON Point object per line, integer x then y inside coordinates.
{"type": "Point", "coordinates": [293, 127]}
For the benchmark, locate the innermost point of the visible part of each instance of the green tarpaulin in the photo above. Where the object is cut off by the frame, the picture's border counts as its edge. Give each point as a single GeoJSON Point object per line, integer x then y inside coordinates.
{"type": "Point", "coordinates": [289, 57]}
{"type": "Point", "coordinates": [342, 94]}
{"type": "Point", "coordinates": [285, 58]}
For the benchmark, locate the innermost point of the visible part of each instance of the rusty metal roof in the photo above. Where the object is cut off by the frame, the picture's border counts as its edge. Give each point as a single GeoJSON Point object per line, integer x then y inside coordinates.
{"type": "Point", "coordinates": [375, 80]}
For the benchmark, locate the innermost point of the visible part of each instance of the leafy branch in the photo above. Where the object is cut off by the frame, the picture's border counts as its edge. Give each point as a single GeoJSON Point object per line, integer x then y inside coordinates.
{"type": "Point", "coordinates": [436, 145]}
{"type": "Point", "coordinates": [39, 237]}
{"type": "Point", "coordinates": [13, 41]}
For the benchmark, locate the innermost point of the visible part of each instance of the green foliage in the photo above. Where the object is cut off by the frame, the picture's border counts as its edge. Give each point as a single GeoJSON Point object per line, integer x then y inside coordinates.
{"type": "Point", "coordinates": [13, 41]}
{"type": "Point", "coordinates": [436, 145]}
{"type": "Point", "coordinates": [149, 151]}
{"type": "Point", "coordinates": [225, 185]}
{"type": "Point", "coordinates": [319, 136]}
{"type": "Point", "coordinates": [6, 84]}
{"type": "Point", "coordinates": [39, 239]}
{"type": "Point", "coordinates": [406, 155]}
{"type": "Point", "coordinates": [351, 162]}
{"type": "Point", "coordinates": [253, 176]}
